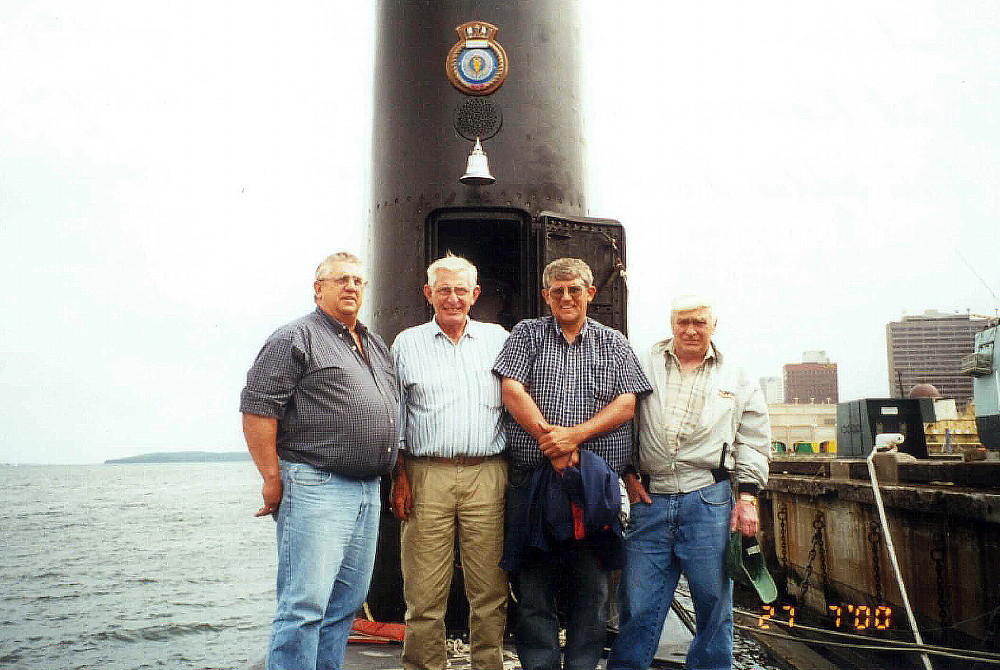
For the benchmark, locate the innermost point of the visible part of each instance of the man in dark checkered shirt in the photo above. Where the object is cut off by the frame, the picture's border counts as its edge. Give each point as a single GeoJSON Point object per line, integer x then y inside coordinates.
{"type": "Point", "coordinates": [321, 420]}
{"type": "Point", "coordinates": [568, 383]}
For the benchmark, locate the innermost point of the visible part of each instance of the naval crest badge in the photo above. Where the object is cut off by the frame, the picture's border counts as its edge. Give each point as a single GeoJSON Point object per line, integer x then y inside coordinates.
{"type": "Point", "coordinates": [477, 64]}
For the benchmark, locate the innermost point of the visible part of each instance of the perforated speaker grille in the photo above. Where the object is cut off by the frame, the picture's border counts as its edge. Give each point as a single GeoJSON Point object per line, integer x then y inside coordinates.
{"type": "Point", "coordinates": [478, 117]}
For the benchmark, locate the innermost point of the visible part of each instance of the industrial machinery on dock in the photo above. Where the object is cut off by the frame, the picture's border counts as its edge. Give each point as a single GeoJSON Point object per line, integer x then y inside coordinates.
{"type": "Point", "coordinates": [983, 364]}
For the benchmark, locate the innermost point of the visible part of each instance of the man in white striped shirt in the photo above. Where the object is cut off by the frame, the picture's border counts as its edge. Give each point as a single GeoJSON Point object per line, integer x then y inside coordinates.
{"type": "Point", "coordinates": [451, 474]}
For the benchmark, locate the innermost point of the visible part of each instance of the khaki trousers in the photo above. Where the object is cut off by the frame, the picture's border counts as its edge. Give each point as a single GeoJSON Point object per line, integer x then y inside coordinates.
{"type": "Point", "coordinates": [450, 499]}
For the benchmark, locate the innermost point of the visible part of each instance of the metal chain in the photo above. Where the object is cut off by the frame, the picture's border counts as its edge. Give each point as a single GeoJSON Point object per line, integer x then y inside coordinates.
{"type": "Point", "coordinates": [786, 567]}
{"type": "Point", "coordinates": [807, 573]}
{"type": "Point", "coordinates": [875, 538]}
{"type": "Point", "coordinates": [817, 547]}
{"type": "Point", "coordinates": [938, 554]}
{"type": "Point", "coordinates": [820, 525]}
{"type": "Point", "coordinates": [783, 528]}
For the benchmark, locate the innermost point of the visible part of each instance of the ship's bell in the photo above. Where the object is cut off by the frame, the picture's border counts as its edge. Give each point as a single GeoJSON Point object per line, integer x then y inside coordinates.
{"type": "Point", "coordinates": [477, 171]}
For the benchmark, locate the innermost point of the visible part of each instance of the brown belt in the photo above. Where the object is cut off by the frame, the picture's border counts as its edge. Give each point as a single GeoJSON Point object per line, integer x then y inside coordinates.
{"type": "Point", "coordinates": [457, 460]}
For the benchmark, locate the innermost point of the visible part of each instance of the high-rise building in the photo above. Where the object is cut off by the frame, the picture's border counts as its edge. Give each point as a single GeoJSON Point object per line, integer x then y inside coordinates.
{"type": "Point", "coordinates": [814, 380]}
{"type": "Point", "coordinates": [928, 349]}
{"type": "Point", "coordinates": [772, 388]}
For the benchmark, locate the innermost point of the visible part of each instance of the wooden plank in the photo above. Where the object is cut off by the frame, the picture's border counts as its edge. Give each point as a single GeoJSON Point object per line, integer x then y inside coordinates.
{"type": "Point", "coordinates": [801, 466]}
{"type": "Point", "coordinates": [977, 474]}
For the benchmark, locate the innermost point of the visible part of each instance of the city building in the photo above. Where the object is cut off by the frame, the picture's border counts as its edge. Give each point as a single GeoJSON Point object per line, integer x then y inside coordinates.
{"type": "Point", "coordinates": [772, 388]}
{"type": "Point", "coordinates": [815, 423]}
{"type": "Point", "coordinates": [814, 380]}
{"type": "Point", "coordinates": [928, 349]}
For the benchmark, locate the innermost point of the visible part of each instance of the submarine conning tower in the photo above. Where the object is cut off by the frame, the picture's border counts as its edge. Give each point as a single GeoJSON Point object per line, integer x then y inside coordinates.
{"type": "Point", "coordinates": [449, 72]}
{"type": "Point", "coordinates": [508, 73]}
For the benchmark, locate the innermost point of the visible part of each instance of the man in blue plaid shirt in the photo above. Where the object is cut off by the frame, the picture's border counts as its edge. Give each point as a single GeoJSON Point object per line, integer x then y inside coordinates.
{"type": "Point", "coordinates": [568, 383]}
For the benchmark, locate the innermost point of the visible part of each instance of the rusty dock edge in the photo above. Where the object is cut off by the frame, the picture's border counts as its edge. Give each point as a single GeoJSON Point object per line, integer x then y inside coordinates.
{"type": "Point", "coordinates": [820, 523]}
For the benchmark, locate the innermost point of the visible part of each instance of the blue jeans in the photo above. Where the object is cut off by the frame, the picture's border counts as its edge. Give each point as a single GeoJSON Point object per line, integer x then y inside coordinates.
{"type": "Point", "coordinates": [573, 575]}
{"type": "Point", "coordinates": [327, 532]}
{"type": "Point", "coordinates": [687, 533]}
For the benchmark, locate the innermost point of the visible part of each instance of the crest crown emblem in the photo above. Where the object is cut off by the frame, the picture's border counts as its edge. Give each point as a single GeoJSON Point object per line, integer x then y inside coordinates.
{"type": "Point", "coordinates": [476, 29]}
{"type": "Point", "coordinates": [477, 64]}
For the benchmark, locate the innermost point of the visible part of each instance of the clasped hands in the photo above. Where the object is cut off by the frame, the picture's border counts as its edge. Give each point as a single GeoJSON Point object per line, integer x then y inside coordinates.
{"type": "Point", "coordinates": [559, 444]}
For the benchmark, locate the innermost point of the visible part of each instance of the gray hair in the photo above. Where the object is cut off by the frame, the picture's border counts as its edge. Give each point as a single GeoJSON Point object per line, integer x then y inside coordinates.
{"type": "Point", "coordinates": [452, 263]}
{"type": "Point", "coordinates": [687, 303]}
{"type": "Point", "coordinates": [567, 269]}
{"type": "Point", "coordinates": [325, 268]}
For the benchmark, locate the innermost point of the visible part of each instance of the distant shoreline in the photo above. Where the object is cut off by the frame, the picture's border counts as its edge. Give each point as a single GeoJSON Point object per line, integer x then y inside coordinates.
{"type": "Point", "coordinates": [183, 457]}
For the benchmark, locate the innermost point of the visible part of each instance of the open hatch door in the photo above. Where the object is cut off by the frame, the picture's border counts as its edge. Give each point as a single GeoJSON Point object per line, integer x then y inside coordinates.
{"type": "Point", "coordinates": [601, 244]}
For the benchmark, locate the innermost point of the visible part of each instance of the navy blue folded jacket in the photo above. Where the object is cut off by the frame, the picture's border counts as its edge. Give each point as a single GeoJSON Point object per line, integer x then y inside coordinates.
{"type": "Point", "coordinates": [545, 521]}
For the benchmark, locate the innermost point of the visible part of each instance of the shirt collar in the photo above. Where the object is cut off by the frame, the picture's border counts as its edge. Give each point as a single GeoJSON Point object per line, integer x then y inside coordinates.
{"type": "Point", "coordinates": [340, 327]}
{"type": "Point", "coordinates": [710, 355]}
{"type": "Point", "coordinates": [557, 329]}
{"type": "Point", "coordinates": [469, 328]}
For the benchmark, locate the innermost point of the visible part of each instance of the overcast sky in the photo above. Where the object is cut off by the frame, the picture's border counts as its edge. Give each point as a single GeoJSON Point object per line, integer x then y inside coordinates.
{"type": "Point", "coordinates": [170, 174]}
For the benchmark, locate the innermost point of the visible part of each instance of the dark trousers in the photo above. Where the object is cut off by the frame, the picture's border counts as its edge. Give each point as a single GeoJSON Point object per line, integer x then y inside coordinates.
{"type": "Point", "coordinates": [572, 575]}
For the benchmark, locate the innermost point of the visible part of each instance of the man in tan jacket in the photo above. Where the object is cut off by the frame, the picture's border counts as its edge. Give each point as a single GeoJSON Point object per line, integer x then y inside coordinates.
{"type": "Point", "coordinates": [704, 424]}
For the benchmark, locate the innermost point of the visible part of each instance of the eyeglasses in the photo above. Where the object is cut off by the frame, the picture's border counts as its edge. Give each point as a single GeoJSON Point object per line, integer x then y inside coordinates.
{"type": "Point", "coordinates": [445, 291]}
{"type": "Point", "coordinates": [559, 291]}
{"type": "Point", "coordinates": [344, 280]}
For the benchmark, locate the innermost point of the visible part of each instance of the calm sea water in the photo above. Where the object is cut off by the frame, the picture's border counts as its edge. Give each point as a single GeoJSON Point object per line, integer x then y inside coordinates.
{"type": "Point", "coordinates": [129, 567]}
{"type": "Point", "coordinates": [133, 566]}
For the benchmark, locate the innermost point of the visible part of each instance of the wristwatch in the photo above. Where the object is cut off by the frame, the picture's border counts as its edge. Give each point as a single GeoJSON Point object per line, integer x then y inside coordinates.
{"type": "Point", "coordinates": [749, 497]}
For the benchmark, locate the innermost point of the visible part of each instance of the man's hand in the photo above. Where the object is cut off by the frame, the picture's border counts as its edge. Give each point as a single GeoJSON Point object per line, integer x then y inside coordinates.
{"type": "Point", "coordinates": [745, 518]}
{"type": "Point", "coordinates": [401, 496]}
{"type": "Point", "coordinates": [261, 433]}
{"type": "Point", "coordinates": [570, 460]}
{"type": "Point", "coordinates": [556, 441]}
{"type": "Point", "coordinates": [271, 493]}
{"type": "Point", "coordinates": [559, 445]}
{"type": "Point", "coordinates": [636, 491]}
